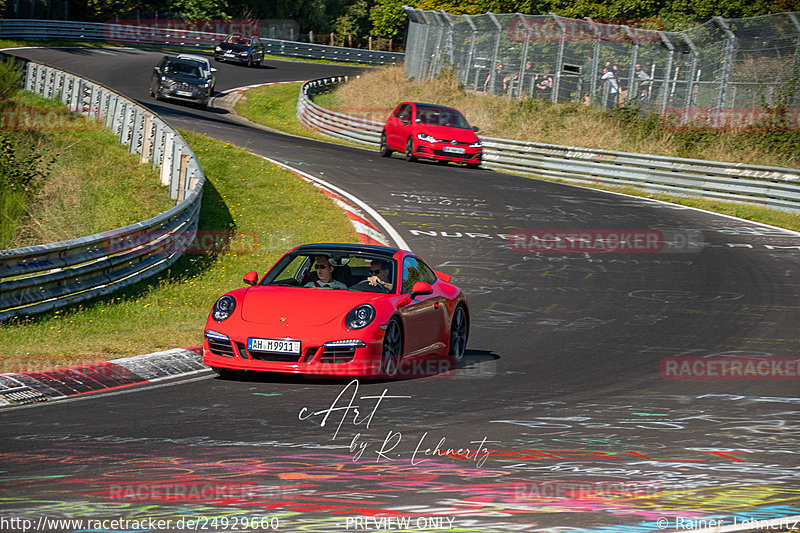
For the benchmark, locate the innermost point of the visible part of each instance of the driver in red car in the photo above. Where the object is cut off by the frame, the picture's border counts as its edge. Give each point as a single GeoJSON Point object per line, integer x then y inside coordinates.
{"type": "Point", "coordinates": [325, 275]}
{"type": "Point", "coordinates": [381, 274]}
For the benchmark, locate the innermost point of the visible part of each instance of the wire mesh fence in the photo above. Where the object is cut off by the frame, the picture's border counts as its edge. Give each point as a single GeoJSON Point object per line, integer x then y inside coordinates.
{"type": "Point", "coordinates": [726, 72]}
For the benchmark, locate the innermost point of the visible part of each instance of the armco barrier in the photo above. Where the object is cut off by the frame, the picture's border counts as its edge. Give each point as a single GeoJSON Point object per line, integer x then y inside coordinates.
{"type": "Point", "coordinates": [66, 30]}
{"type": "Point", "coordinates": [48, 276]}
{"type": "Point", "coordinates": [775, 187]}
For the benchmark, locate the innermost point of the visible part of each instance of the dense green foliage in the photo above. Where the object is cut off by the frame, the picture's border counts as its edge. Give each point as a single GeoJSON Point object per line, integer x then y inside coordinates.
{"type": "Point", "coordinates": [22, 163]}
{"type": "Point", "coordinates": [386, 17]}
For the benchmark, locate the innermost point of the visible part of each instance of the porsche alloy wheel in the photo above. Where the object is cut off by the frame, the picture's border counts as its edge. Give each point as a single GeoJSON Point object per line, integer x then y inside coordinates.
{"type": "Point", "coordinates": [392, 349]}
{"type": "Point", "coordinates": [459, 331]}
{"type": "Point", "coordinates": [385, 150]}
{"type": "Point", "coordinates": [410, 151]}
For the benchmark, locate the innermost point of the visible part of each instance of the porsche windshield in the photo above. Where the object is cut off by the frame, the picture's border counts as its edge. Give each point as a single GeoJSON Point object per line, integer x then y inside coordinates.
{"type": "Point", "coordinates": [337, 271]}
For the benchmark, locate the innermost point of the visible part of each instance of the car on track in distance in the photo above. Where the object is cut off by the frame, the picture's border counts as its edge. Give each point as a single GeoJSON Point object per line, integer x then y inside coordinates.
{"type": "Point", "coordinates": [431, 132]}
{"type": "Point", "coordinates": [181, 79]}
{"type": "Point", "coordinates": [208, 70]}
{"type": "Point", "coordinates": [339, 310]}
{"type": "Point", "coordinates": [240, 49]}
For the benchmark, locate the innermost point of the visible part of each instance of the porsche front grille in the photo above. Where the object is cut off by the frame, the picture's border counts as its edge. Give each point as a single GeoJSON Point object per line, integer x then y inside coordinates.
{"type": "Point", "coordinates": [338, 354]}
{"type": "Point", "coordinates": [220, 347]}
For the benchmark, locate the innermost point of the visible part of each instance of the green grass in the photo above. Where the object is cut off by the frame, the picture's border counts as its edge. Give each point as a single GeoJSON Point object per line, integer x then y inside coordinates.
{"type": "Point", "coordinates": [244, 194]}
{"type": "Point", "coordinates": [94, 183]}
{"type": "Point", "coordinates": [275, 106]}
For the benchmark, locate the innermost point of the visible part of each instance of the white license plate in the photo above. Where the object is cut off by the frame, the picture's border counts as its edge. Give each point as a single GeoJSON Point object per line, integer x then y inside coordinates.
{"type": "Point", "coordinates": [453, 150]}
{"type": "Point", "coordinates": [273, 345]}
{"type": "Point", "coordinates": [229, 55]}
{"type": "Point", "coordinates": [183, 93]}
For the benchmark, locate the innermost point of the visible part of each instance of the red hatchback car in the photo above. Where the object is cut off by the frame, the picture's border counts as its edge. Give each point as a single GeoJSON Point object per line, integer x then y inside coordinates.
{"type": "Point", "coordinates": [431, 132]}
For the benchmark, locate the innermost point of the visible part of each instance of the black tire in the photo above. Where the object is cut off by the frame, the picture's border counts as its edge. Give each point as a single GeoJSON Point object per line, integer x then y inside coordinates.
{"type": "Point", "coordinates": [385, 150]}
{"type": "Point", "coordinates": [410, 157]}
{"type": "Point", "coordinates": [392, 352]}
{"type": "Point", "coordinates": [459, 334]}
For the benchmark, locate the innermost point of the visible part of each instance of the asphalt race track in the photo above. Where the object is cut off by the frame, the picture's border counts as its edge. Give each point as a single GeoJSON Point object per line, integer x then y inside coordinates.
{"type": "Point", "coordinates": [575, 410]}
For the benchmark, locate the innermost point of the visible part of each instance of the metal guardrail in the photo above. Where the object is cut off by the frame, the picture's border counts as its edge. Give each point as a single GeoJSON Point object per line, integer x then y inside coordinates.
{"type": "Point", "coordinates": [775, 187]}
{"type": "Point", "coordinates": [40, 278]}
{"type": "Point", "coordinates": [38, 30]}
{"type": "Point", "coordinates": [334, 124]}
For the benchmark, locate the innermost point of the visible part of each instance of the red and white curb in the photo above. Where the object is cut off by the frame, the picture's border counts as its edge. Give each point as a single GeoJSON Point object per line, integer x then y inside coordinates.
{"type": "Point", "coordinates": [355, 208]}
{"type": "Point", "coordinates": [246, 87]}
{"type": "Point", "coordinates": [32, 387]}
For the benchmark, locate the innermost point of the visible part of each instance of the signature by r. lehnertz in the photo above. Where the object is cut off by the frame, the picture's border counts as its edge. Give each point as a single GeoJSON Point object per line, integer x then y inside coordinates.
{"type": "Point", "coordinates": [346, 406]}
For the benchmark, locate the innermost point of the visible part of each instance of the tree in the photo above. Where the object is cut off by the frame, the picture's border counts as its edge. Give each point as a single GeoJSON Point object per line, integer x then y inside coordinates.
{"type": "Point", "coordinates": [388, 19]}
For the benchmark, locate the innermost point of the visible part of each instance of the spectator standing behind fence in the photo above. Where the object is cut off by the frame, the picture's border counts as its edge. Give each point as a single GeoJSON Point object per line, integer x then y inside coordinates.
{"type": "Point", "coordinates": [586, 78]}
{"type": "Point", "coordinates": [500, 81]}
{"type": "Point", "coordinates": [643, 79]}
{"type": "Point", "coordinates": [544, 85]}
{"type": "Point", "coordinates": [611, 86]}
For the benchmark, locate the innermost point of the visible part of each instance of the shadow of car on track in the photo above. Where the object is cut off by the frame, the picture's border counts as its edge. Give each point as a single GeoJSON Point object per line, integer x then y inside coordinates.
{"type": "Point", "coordinates": [476, 364]}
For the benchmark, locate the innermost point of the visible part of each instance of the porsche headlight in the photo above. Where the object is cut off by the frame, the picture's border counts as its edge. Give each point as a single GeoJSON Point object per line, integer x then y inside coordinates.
{"type": "Point", "coordinates": [218, 49]}
{"type": "Point", "coordinates": [427, 138]}
{"type": "Point", "coordinates": [223, 308]}
{"type": "Point", "coordinates": [360, 316]}
{"type": "Point", "coordinates": [476, 144]}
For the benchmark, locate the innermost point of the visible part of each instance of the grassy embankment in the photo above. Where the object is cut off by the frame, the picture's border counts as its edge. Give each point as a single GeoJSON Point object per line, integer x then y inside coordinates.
{"type": "Point", "coordinates": [569, 124]}
{"type": "Point", "coordinates": [244, 194]}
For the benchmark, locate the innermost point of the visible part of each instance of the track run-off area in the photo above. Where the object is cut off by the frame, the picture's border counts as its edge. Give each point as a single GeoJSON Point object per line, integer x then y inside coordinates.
{"type": "Point", "coordinates": [637, 389]}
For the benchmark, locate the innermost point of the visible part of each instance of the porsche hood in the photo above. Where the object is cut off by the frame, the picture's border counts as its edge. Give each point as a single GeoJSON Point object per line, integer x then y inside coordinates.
{"type": "Point", "coordinates": [303, 308]}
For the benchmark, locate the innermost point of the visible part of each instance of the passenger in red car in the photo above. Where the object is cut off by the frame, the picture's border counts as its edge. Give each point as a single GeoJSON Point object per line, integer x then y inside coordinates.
{"type": "Point", "coordinates": [381, 274]}
{"type": "Point", "coordinates": [325, 275]}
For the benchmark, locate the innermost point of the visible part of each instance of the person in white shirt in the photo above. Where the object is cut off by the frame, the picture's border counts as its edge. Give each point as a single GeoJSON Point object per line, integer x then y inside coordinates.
{"type": "Point", "coordinates": [325, 275]}
{"type": "Point", "coordinates": [613, 86]}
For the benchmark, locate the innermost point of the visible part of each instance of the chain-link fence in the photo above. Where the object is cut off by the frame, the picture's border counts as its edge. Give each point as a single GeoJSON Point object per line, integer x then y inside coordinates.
{"type": "Point", "coordinates": [726, 72]}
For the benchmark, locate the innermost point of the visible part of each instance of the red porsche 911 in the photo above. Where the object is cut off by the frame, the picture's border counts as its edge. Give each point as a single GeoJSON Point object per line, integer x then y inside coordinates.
{"type": "Point", "coordinates": [338, 310]}
{"type": "Point", "coordinates": [431, 132]}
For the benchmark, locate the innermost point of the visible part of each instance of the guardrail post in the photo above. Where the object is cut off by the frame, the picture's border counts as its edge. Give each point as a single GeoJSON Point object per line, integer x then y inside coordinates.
{"type": "Point", "coordinates": [147, 139]}
{"type": "Point", "coordinates": [76, 101]}
{"type": "Point", "coordinates": [59, 89]}
{"type": "Point", "coordinates": [111, 110]}
{"type": "Point", "coordinates": [137, 133]}
{"type": "Point", "coordinates": [183, 176]}
{"type": "Point", "coordinates": [47, 82]}
{"type": "Point", "coordinates": [30, 77]}
{"type": "Point", "coordinates": [158, 145]}
{"type": "Point", "coordinates": [166, 158]}
{"type": "Point", "coordinates": [174, 169]}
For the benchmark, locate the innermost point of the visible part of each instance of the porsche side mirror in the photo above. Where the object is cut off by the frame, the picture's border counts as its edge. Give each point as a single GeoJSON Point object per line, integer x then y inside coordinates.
{"type": "Point", "coordinates": [420, 288]}
{"type": "Point", "coordinates": [251, 278]}
{"type": "Point", "coordinates": [475, 128]}
{"type": "Point", "coordinates": [442, 276]}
